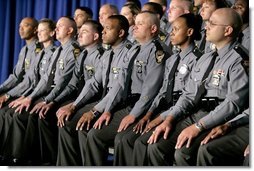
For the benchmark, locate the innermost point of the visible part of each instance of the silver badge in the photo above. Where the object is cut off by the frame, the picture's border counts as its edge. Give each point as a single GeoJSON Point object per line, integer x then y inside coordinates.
{"type": "Point", "coordinates": [61, 64]}
{"type": "Point", "coordinates": [183, 69]}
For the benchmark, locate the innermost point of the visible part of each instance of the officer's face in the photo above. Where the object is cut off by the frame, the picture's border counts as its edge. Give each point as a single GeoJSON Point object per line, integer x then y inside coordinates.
{"type": "Point", "coordinates": [26, 29]}
{"type": "Point", "coordinates": [216, 28]}
{"type": "Point", "coordinates": [125, 11]}
{"type": "Point", "coordinates": [80, 17]}
{"type": "Point", "coordinates": [180, 32]}
{"type": "Point", "coordinates": [143, 28]}
{"type": "Point", "coordinates": [111, 32]}
{"type": "Point", "coordinates": [44, 33]}
{"type": "Point", "coordinates": [207, 9]}
{"type": "Point", "coordinates": [87, 36]}
{"type": "Point", "coordinates": [240, 7]}
{"type": "Point", "coordinates": [104, 13]}
{"type": "Point", "coordinates": [62, 29]}
{"type": "Point", "coordinates": [175, 10]}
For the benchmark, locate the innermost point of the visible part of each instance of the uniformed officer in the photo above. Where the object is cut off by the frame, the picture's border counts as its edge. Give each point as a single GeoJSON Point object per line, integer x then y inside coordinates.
{"type": "Point", "coordinates": [148, 60]}
{"type": "Point", "coordinates": [85, 68]}
{"type": "Point", "coordinates": [50, 86]}
{"type": "Point", "coordinates": [105, 11]}
{"type": "Point", "coordinates": [217, 91]}
{"type": "Point", "coordinates": [227, 141]}
{"type": "Point", "coordinates": [114, 33]}
{"type": "Point", "coordinates": [208, 7]}
{"type": "Point", "coordinates": [242, 8]}
{"type": "Point", "coordinates": [15, 85]}
{"type": "Point", "coordinates": [130, 11]}
{"type": "Point", "coordinates": [27, 31]}
{"type": "Point", "coordinates": [81, 15]}
{"type": "Point", "coordinates": [177, 8]}
{"type": "Point", "coordinates": [164, 24]}
{"type": "Point", "coordinates": [178, 67]}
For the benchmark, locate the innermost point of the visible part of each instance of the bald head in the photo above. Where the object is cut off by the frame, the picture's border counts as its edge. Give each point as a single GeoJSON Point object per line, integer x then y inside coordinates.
{"type": "Point", "coordinates": [230, 17]}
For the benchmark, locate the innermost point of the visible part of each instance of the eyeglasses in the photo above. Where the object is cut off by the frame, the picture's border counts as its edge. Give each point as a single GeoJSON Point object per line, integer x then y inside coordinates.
{"type": "Point", "coordinates": [210, 23]}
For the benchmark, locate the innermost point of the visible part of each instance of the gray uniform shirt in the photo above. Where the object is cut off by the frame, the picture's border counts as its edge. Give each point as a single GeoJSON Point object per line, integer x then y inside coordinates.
{"type": "Point", "coordinates": [97, 82]}
{"type": "Point", "coordinates": [227, 81]}
{"type": "Point", "coordinates": [21, 67]}
{"type": "Point", "coordinates": [187, 60]}
{"type": "Point", "coordinates": [37, 69]}
{"type": "Point", "coordinates": [90, 66]}
{"type": "Point", "coordinates": [147, 76]}
{"type": "Point", "coordinates": [62, 75]}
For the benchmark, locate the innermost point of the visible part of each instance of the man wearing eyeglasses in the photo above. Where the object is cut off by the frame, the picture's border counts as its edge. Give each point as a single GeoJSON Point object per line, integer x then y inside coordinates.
{"type": "Point", "coordinates": [217, 91]}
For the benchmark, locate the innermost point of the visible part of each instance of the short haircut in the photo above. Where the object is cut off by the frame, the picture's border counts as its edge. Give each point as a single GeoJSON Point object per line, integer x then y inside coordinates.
{"type": "Point", "coordinates": [86, 10]}
{"type": "Point", "coordinates": [51, 23]}
{"type": "Point", "coordinates": [123, 23]}
{"type": "Point", "coordinates": [97, 27]}
{"type": "Point", "coordinates": [113, 8]}
{"type": "Point", "coordinates": [133, 8]}
{"type": "Point", "coordinates": [137, 2]}
{"type": "Point", "coordinates": [156, 8]}
{"type": "Point", "coordinates": [73, 24]}
{"type": "Point", "coordinates": [195, 22]}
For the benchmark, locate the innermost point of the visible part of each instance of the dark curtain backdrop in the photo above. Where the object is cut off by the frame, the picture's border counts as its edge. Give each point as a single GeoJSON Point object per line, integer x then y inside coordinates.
{"type": "Point", "coordinates": [12, 12]}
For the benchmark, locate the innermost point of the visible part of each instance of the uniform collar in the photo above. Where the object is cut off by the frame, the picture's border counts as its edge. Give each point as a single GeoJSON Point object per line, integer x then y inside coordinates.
{"type": "Point", "coordinates": [68, 43]}
{"type": "Point", "coordinates": [186, 51]}
{"type": "Point", "coordinates": [223, 51]}
{"type": "Point", "coordinates": [32, 44]}
{"type": "Point", "coordinates": [120, 46]}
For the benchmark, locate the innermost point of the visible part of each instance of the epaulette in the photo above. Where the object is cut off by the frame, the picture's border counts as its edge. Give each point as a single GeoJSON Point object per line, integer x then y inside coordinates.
{"type": "Point", "coordinates": [128, 45]}
{"type": "Point", "coordinates": [197, 52]}
{"type": "Point", "coordinates": [38, 47]}
{"type": "Point", "coordinates": [245, 56]}
{"type": "Point", "coordinates": [76, 50]}
{"type": "Point", "coordinates": [101, 50]}
{"type": "Point", "coordinates": [159, 54]}
{"type": "Point", "coordinates": [242, 51]}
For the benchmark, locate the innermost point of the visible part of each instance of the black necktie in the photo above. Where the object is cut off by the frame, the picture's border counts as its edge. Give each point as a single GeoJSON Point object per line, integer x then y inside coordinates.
{"type": "Point", "coordinates": [201, 89]}
{"type": "Point", "coordinates": [52, 72]}
{"type": "Point", "coordinates": [81, 82]}
{"type": "Point", "coordinates": [107, 74]}
{"type": "Point", "coordinates": [171, 80]}
{"type": "Point", "coordinates": [23, 65]}
{"type": "Point", "coordinates": [129, 72]}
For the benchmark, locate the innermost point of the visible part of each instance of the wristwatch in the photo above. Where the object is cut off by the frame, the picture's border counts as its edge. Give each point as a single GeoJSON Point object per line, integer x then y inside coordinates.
{"type": "Point", "coordinates": [95, 113]}
{"type": "Point", "coordinates": [199, 126]}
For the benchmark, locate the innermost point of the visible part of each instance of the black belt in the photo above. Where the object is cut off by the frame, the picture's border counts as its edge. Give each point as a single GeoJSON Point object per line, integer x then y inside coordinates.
{"type": "Point", "coordinates": [210, 103]}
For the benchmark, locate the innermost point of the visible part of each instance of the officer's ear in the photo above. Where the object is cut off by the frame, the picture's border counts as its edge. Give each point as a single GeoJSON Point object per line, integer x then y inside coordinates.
{"type": "Point", "coordinates": [52, 33]}
{"type": "Point", "coordinates": [121, 33]}
{"type": "Point", "coordinates": [228, 30]}
{"type": "Point", "coordinates": [190, 32]}
{"type": "Point", "coordinates": [95, 36]}
{"type": "Point", "coordinates": [154, 28]}
{"type": "Point", "coordinates": [70, 31]}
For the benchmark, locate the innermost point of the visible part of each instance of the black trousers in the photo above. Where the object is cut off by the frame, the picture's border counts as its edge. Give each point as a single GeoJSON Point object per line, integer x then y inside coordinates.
{"type": "Point", "coordinates": [162, 152]}
{"type": "Point", "coordinates": [99, 140]}
{"type": "Point", "coordinates": [227, 150]}
{"type": "Point", "coordinates": [69, 152]}
{"type": "Point", "coordinates": [125, 150]}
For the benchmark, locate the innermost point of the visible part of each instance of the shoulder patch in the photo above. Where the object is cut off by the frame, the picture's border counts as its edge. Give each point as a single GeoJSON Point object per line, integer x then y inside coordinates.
{"type": "Point", "coordinates": [76, 50]}
{"type": "Point", "coordinates": [159, 54]}
{"type": "Point", "coordinates": [196, 51]}
{"type": "Point", "coordinates": [38, 47]}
